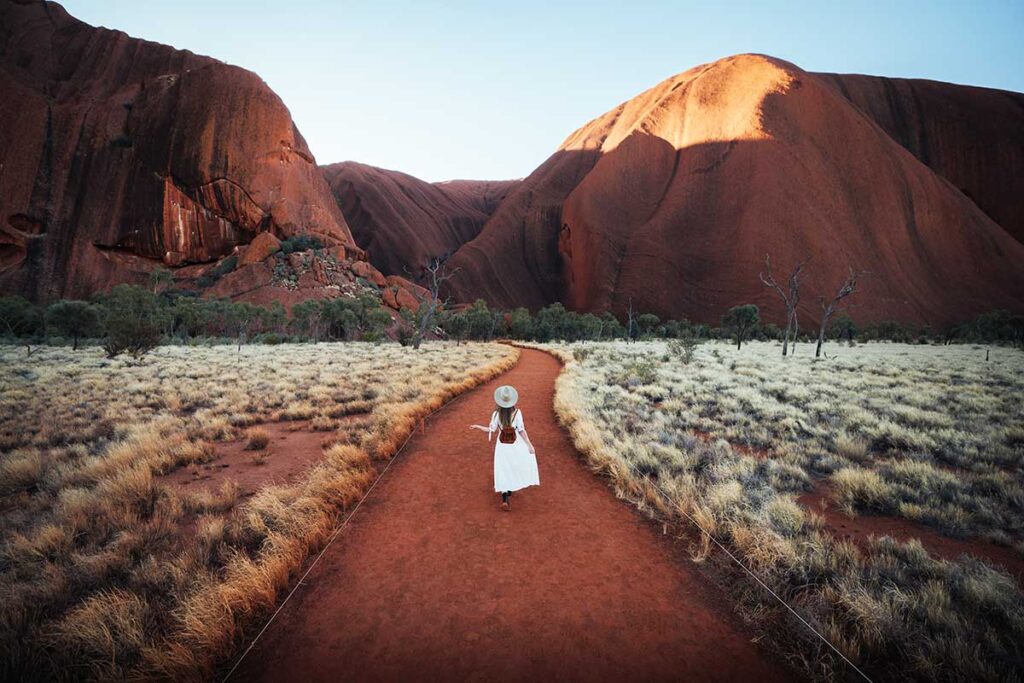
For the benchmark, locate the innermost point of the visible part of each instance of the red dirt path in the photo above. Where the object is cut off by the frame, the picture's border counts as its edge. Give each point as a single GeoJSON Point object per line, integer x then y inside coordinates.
{"type": "Point", "coordinates": [431, 580]}
{"type": "Point", "coordinates": [859, 529]}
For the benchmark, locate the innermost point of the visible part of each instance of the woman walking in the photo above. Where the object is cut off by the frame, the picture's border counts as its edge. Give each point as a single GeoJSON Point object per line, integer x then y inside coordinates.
{"type": "Point", "coordinates": [515, 462]}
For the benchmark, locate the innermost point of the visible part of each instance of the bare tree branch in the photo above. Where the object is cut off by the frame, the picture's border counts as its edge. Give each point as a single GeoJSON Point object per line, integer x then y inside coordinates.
{"type": "Point", "coordinates": [829, 306]}
{"type": "Point", "coordinates": [791, 300]}
{"type": "Point", "coordinates": [435, 275]}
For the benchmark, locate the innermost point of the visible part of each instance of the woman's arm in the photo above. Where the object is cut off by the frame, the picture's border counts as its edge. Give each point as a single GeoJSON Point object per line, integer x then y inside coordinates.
{"type": "Point", "coordinates": [526, 438]}
{"type": "Point", "coordinates": [480, 427]}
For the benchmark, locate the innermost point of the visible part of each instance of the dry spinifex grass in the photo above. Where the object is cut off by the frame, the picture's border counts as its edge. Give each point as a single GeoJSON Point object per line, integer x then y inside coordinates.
{"type": "Point", "coordinates": [933, 434]}
{"type": "Point", "coordinates": [106, 573]}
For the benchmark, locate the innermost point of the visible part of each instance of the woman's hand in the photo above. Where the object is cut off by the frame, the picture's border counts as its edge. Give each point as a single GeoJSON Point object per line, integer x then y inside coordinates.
{"type": "Point", "coordinates": [533, 451]}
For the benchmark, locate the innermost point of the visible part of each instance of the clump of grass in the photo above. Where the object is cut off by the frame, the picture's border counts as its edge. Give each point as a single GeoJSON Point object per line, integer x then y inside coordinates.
{"type": "Point", "coordinates": [353, 407]}
{"type": "Point", "coordinates": [855, 488]}
{"type": "Point", "coordinates": [322, 423]}
{"type": "Point", "coordinates": [852, 448]}
{"type": "Point", "coordinates": [20, 470]}
{"type": "Point", "coordinates": [257, 439]}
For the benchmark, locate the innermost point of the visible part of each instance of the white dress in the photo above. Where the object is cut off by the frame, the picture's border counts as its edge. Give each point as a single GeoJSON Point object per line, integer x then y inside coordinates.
{"type": "Point", "coordinates": [514, 467]}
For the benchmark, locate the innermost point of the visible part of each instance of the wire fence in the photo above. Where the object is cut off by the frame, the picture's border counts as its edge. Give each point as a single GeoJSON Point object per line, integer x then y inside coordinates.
{"type": "Point", "coordinates": [337, 532]}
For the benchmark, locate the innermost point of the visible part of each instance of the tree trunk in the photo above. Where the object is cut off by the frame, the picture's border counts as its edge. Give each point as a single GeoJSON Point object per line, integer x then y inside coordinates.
{"type": "Point", "coordinates": [739, 342]}
{"type": "Point", "coordinates": [74, 342]}
{"type": "Point", "coordinates": [821, 337]}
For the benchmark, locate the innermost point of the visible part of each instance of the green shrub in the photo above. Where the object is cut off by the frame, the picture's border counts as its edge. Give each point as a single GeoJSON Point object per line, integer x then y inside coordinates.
{"type": "Point", "coordinates": [405, 334]}
{"type": "Point", "coordinates": [133, 321]}
{"type": "Point", "coordinates": [270, 338]}
{"type": "Point", "coordinates": [300, 243]}
{"type": "Point", "coordinates": [19, 317]}
{"type": "Point", "coordinates": [210, 277]}
{"type": "Point", "coordinates": [741, 321]}
{"type": "Point", "coordinates": [683, 348]}
{"type": "Point", "coordinates": [73, 319]}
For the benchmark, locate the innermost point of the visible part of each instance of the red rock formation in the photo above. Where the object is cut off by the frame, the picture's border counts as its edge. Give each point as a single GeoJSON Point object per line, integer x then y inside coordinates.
{"type": "Point", "coordinates": [368, 272]}
{"type": "Point", "coordinates": [399, 293]}
{"type": "Point", "coordinates": [673, 199]}
{"type": "Point", "coordinates": [261, 248]}
{"type": "Point", "coordinates": [483, 195]}
{"type": "Point", "coordinates": [970, 136]}
{"type": "Point", "coordinates": [117, 154]}
{"type": "Point", "coordinates": [403, 222]}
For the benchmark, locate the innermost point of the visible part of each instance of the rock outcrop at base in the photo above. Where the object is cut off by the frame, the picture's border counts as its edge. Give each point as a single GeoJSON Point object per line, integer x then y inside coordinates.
{"type": "Point", "coordinates": [403, 222]}
{"type": "Point", "coordinates": [118, 155]}
{"type": "Point", "coordinates": [672, 200]}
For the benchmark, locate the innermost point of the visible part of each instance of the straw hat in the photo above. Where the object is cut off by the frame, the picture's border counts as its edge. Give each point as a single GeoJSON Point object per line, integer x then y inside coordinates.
{"type": "Point", "coordinates": [506, 396]}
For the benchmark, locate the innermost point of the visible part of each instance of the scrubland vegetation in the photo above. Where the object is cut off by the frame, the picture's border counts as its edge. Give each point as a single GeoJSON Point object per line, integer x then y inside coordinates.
{"type": "Point", "coordinates": [108, 573]}
{"type": "Point", "coordinates": [934, 434]}
{"type": "Point", "coordinates": [131, 319]}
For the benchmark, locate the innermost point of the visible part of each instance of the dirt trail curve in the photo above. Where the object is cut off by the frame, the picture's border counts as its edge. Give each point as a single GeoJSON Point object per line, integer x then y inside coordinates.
{"type": "Point", "coordinates": [432, 581]}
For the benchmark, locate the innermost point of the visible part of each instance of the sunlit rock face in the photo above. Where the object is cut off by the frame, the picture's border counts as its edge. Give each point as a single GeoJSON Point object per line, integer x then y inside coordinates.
{"type": "Point", "coordinates": [118, 155]}
{"type": "Point", "coordinates": [672, 200]}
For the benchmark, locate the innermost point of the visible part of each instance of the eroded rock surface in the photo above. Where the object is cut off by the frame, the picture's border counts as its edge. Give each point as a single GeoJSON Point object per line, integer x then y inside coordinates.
{"type": "Point", "coordinates": [118, 155]}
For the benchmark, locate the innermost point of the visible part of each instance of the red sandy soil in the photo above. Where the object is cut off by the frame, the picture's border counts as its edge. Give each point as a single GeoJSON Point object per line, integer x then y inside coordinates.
{"type": "Point", "coordinates": [859, 529]}
{"type": "Point", "coordinates": [290, 452]}
{"type": "Point", "coordinates": [431, 580]}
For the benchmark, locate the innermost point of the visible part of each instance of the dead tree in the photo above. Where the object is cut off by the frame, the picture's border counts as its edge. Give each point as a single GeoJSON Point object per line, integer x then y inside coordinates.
{"type": "Point", "coordinates": [426, 313]}
{"type": "Point", "coordinates": [630, 322]}
{"type": "Point", "coordinates": [790, 299]}
{"type": "Point", "coordinates": [848, 287]}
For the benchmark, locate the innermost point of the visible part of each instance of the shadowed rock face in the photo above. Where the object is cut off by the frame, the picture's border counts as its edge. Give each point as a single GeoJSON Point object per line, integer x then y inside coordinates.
{"type": "Point", "coordinates": [117, 154]}
{"type": "Point", "coordinates": [973, 137]}
{"type": "Point", "coordinates": [673, 199]}
{"type": "Point", "coordinates": [403, 222]}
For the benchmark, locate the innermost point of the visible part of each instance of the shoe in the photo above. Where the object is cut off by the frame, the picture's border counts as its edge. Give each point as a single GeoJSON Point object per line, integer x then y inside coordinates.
{"type": "Point", "coordinates": [505, 506]}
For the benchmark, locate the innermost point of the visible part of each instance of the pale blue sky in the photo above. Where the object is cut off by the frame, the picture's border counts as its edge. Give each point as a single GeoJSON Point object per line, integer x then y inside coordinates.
{"type": "Point", "coordinates": [488, 90]}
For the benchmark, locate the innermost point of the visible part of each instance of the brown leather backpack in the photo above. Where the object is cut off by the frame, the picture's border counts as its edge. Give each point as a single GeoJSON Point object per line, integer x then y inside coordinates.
{"type": "Point", "coordinates": [508, 434]}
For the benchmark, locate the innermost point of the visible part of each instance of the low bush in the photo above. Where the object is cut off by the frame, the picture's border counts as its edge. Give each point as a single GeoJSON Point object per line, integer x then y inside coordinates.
{"type": "Point", "coordinates": [133, 321]}
{"type": "Point", "coordinates": [213, 275]}
{"type": "Point", "coordinates": [300, 243]}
